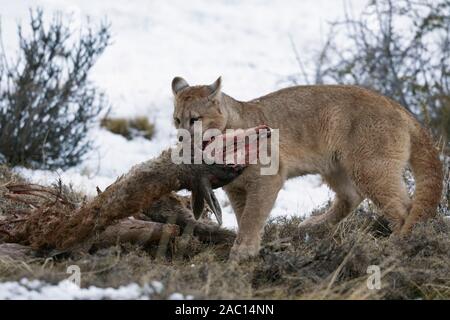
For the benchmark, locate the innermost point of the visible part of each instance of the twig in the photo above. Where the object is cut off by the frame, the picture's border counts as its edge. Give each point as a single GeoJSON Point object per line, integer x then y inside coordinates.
{"type": "Point", "coordinates": [298, 59]}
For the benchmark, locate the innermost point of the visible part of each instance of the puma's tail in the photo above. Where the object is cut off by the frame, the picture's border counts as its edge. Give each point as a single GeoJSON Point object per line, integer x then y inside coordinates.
{"type": "Point", "coordinates": [428, 174]}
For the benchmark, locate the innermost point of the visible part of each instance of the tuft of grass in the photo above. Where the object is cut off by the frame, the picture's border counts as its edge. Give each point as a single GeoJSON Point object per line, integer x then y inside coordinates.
{"type": "Point", "coordinates": [117, 126]}
{"type": "Point", "coordinates": [143, 126]}
{"type": "Point", "coordinates": [129, 128]}
{"type": "Point", "coordinates": [7, 176]}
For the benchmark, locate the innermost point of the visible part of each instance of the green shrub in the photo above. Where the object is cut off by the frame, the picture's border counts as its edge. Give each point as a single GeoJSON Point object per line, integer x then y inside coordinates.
{"type": "Point", "coordinates": [47, 104]}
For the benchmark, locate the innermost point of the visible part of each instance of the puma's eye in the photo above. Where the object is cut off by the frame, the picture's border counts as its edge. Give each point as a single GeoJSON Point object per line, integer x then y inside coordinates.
{"type": "Point", "coordinates": [177, 121]}
{"type": "Point", "coordinates": [192, 121]}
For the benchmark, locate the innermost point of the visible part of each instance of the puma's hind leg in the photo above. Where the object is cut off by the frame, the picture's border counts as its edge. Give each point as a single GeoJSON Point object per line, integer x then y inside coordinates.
{"type": "Point", "coordinates": [347, 198]}
{"type": "Point", "coordinates": [381, 181]}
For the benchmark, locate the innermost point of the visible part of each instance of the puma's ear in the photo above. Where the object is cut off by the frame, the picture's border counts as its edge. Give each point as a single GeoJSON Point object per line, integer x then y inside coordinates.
{"type": "Point", "coordinates": [178, 84]}
{"type": "Point", "coordinates": [215, 89]}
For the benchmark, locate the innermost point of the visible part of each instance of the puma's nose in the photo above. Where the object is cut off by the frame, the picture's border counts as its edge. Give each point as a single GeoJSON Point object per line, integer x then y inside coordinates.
{"type": "Point", "coordinates": [180, 138]}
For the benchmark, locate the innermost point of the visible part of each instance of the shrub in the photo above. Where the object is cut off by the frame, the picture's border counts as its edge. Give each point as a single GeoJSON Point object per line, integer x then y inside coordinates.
{"type": "Point", "coordinates": [47, 103]}
{"type": "Point", "coordinates": [399, 48]}
{"type": "Point", "coordinates": [129, 128]}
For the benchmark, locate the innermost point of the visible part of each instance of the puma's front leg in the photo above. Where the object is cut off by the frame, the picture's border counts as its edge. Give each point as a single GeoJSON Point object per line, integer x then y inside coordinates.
{"type": "Point", "coordinates": [237, 196]}
{"type": "Point", "coordinates": [261, 193]}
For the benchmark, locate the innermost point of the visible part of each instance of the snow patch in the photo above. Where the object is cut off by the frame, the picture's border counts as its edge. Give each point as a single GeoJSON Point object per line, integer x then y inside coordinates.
{"type": "Point", "coordinates": [66, 290]}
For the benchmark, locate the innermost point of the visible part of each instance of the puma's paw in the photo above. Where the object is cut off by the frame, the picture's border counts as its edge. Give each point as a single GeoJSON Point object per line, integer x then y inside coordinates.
{"type": "Point", "coordinates": [314, 223]}
{"type": "Point", "coordinates": [241, 252]}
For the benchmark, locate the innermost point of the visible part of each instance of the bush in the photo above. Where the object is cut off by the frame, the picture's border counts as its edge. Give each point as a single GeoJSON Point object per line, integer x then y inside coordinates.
{"type": "Point", "coordinates": [129, 128]}
{"type": "Point", "coordinates": [47, 103]}
{"type": "Point", "coordinates": [399, 48]}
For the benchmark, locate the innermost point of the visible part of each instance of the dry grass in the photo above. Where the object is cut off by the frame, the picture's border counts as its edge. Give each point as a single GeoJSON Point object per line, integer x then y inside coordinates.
{"type": "Point", "coordinates": [330, 264]}
{"type": "Point", "coordinates": [130, 128]}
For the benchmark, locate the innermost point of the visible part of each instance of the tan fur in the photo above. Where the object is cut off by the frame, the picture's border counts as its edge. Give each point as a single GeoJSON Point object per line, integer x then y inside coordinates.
{"type": "Point", "coordinates": [357, 140]}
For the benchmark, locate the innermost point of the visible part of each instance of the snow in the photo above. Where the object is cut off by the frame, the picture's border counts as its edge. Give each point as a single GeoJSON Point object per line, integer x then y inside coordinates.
{"type": "Point", "coordinates": [26, 289]}
{"type": "Point", "coordinates": [246, 42]}
{"type": "Point", "coordinates": [180, 296]}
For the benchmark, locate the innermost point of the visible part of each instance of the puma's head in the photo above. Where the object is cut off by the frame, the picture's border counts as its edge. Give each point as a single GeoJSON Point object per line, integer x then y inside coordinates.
{"type": "Point", "coordinates": [198, 103]}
